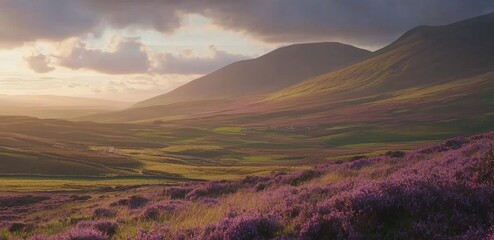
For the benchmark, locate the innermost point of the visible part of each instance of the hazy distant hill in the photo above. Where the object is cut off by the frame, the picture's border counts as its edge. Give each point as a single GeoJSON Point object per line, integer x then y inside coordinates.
{"type": "Point", "coordinates": [50, 106]}
{"type": "Point", "coordinates": [271, 72]}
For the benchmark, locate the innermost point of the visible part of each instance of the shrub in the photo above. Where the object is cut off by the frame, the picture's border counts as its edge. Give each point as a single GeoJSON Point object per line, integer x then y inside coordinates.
{"type": "Point", "coordinates": [18, 227]}
{"type": "Point", "coordinates": [14, 201]}
{"type": "Point", "coordinates": [395, 154]}
{"type": "Point", "coordinates": [80, 197]}
{"type": "Point", "coordinates": [156, 210]}
{"type": "Point", "coordinates": [243, 227]}
{"type": "Point", "coordinates": [177, 192]}
{"type": "Point", "coordinates": [132, 202]}
{"type": "Point", "coordinates": [214, 189]}
{"type": "Point", "coordinates": [81, 234]}
{"type": "Point", "coordinates": [104, 213]}
{"type": "Point", "coordinates": [299, 177]}
{"type": "Point", "coordinates": [108, 228]}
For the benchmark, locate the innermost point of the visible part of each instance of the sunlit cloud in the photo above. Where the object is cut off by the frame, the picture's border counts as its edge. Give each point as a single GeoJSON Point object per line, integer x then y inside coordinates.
{"type": "Point", "coordinates": [128, 57]}
{"type": "Point", "coordinates": [39, 63]}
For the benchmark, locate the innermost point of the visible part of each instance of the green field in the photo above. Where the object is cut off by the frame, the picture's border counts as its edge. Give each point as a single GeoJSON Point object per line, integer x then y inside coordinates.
{"type": "Point", "coordinates": [63, 155]}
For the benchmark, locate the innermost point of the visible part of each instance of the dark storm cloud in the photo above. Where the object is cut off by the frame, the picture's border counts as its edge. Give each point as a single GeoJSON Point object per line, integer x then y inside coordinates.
{"type": "Point", "coordinates": [363, 22]}
{"type": "Point", "coordinates": [26, 20]}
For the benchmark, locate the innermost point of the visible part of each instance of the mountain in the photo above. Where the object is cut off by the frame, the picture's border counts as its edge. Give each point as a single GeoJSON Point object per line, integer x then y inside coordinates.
{"type": "Point", "coordinates": [51, 106]}
{"type": "Point", "coordinates": [271, 72]}
{"type": "Point", "coordinates": [424, 55]}
{"type": "Point", "coordinates": [431, 83]}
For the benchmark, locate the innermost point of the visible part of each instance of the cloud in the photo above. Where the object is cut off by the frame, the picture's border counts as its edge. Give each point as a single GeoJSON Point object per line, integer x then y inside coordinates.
{"type": "Point", "coordinates": [39, 63]}
{"type": "Point", "coordinates": [362, 22]}
{"type": "Point", "coordinates": [25, 21]}
{"type": "Point", "coordinates": [128, 57]}
{"type": "Point", "coordinates": [163, 16]}
{"type": "Point", "coordinates": [179, 64]}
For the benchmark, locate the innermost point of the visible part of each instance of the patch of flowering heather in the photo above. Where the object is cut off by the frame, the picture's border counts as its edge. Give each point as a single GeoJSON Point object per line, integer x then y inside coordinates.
{"type": "Point", "coordinates": [208, 201]}
{"type": "Point", "coordinates": [82, 234]}
{"type": "Point", "coordinates": [16, 207]}
{"type": "Point", "coordinates": [75, 234]}
{"type": "Point", "coordinates": [484, 170]}
{"type": "Point", "coordinates": [132, 202]}
{"type": "Point", "coordinates": [14, 201]}
{"type": "Point", "coordinates": [243, 227]}
{"type": "Point", "coordinates": [144, 235]}
{"type": "Point", "coordinates": [19, 227]}
{"type": "Point", "coordinates": [299, 177]}
{"type": "Point", "coordinates": [214, 189]}
{"type": "Point", "coordinates": [104, 213]}
{"type": "Point", "coordinates": [106, 227]}
{"type": "Point", "coordinates": [161, 234]}
{"type": "Point", "coordinates": [414, 209]}
{"type": "Point", "coordinates": [7, 216]}
{"type": "Point", "coordinates": [156, 210]}
{"type": "Point", "coordinates": [450, 144]}
{"type": "Point", "coordinates": [179, 192]}
{"type": "Point", "coordinates": [80, 197]}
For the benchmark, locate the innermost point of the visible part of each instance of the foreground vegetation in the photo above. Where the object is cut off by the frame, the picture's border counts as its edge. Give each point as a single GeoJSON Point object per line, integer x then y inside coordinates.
{"type": "Point", "coordinates": [444, 191]}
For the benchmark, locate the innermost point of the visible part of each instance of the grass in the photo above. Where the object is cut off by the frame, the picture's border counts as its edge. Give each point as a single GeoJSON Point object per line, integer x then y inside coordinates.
{"type": "Point", "coordinates": [184, 148]}
{"type": "Point", "coordinates": [205, 172]}
{"type": "Point", "coordinates": [264, 158]}
{"type": "Point", "coordinates": [30, 184]}
{"type": "Point", "coordinates": [228, 130]}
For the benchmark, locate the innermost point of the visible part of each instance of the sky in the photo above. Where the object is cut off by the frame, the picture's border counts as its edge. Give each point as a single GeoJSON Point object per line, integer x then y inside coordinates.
{"type": "Point", "coordinates": [130, 50]}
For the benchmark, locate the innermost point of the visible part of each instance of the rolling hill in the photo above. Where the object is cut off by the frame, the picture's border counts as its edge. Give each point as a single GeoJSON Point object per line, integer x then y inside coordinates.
{"type": "Point", "coordinates": [274, 71]}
